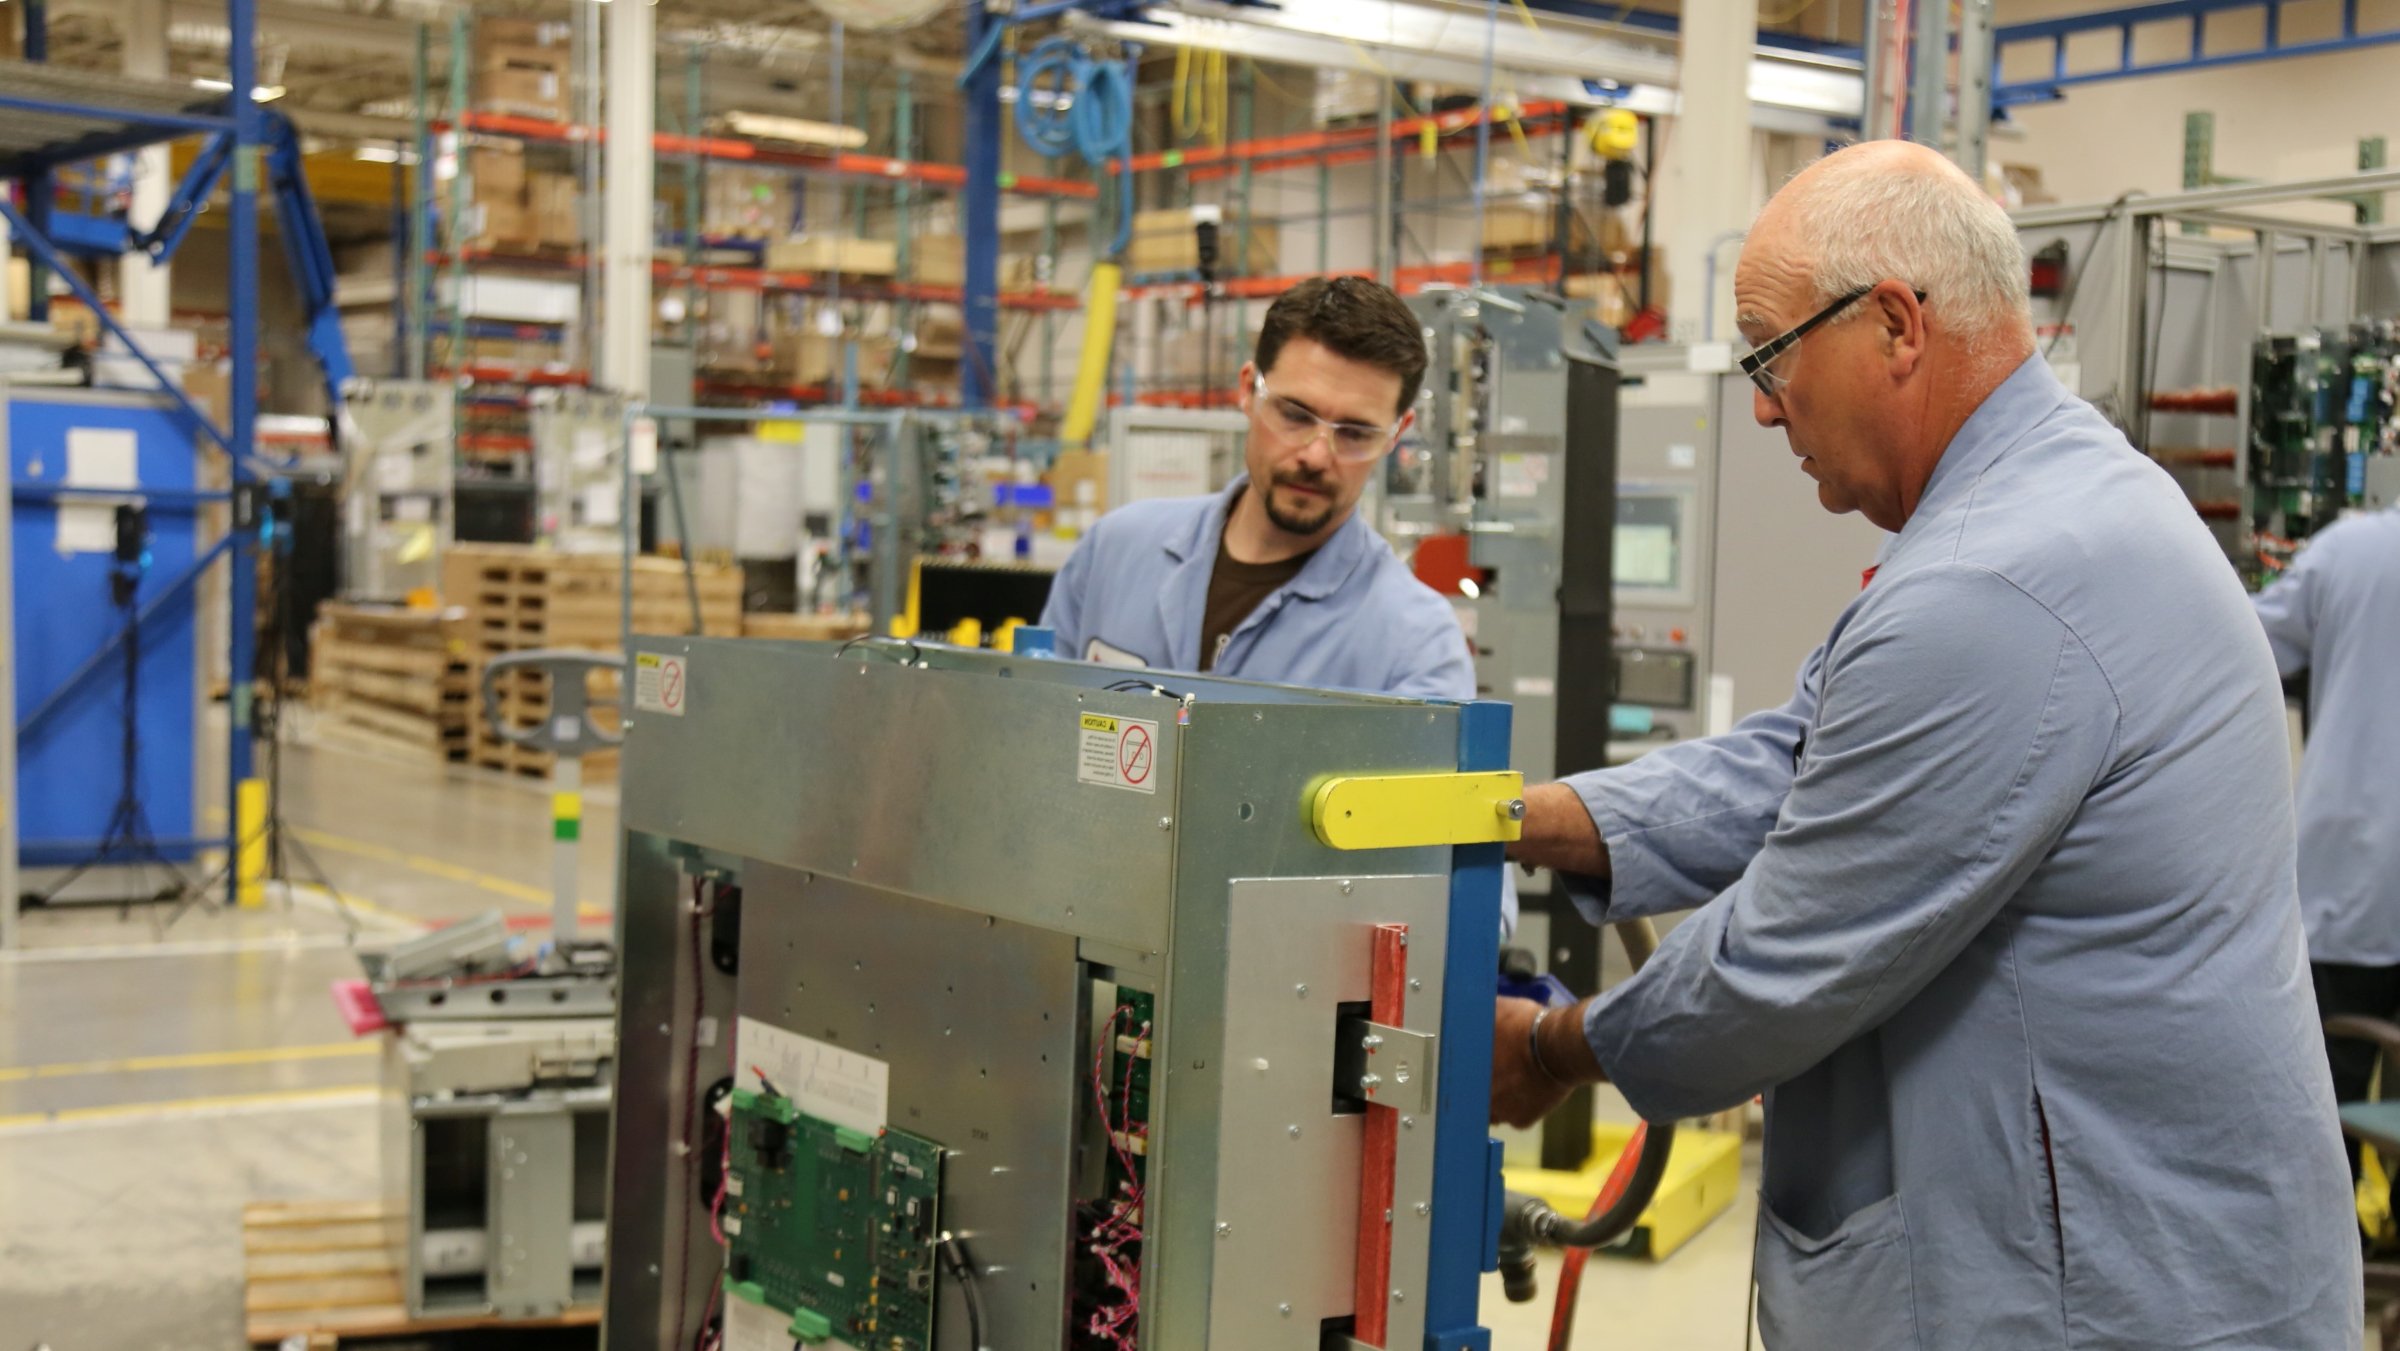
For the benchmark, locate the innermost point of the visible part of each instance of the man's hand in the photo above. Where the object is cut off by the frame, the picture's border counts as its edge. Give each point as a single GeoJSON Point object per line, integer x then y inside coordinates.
{"type": "Point", "coordinates": [1559, 833]}
{"type": "Point", "coordinates": [1524, 1092]}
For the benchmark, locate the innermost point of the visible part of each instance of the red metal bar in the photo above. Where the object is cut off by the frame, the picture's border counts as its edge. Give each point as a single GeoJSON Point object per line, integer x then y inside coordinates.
{"type": "Point", "coordinates": [1379, 1158]}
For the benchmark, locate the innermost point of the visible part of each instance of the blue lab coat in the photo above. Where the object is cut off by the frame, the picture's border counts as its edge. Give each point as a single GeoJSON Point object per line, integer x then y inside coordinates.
{"type": "Point", "coordinates": [2004, 926]}
{"type": "Point", "coordinates": [2335, 613]}
{"type": "Point", "coordinates": [1355, 618]}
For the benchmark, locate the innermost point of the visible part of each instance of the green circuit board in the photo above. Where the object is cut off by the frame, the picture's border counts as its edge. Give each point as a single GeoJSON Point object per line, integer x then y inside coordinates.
{"type": "Point", "coordinates": [833, 1226]}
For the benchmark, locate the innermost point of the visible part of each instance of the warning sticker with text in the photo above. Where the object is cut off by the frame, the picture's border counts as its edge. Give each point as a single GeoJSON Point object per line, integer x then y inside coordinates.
{"type": "Point", "coordinates": [658, 684]}
{"type": "Point", "coordinates": [1117, 752]}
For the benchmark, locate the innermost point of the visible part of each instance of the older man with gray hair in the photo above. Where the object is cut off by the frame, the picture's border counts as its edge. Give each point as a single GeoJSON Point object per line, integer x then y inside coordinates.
{"type": "Point", "coordinates": [1998, 911]}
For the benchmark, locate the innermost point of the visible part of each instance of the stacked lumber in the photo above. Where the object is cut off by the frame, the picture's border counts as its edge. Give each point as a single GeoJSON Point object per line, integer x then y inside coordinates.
{"type": "Point", "coordinates": [393, 679]}
{"type": "Point", "coordinates": [518, 599]}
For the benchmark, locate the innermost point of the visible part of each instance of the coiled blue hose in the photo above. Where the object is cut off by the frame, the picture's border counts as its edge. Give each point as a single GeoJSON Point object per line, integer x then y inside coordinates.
{"type": "Point", "coordinates": [1096, 124]}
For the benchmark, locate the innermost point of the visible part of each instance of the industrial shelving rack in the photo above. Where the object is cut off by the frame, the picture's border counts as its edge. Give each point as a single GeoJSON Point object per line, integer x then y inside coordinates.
{"type": "Point", "coordinates": [52, 117]}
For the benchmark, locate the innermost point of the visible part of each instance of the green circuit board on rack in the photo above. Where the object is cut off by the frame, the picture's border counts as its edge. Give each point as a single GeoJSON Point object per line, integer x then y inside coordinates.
{"type": "Point", "coordinates": [833, 1226]}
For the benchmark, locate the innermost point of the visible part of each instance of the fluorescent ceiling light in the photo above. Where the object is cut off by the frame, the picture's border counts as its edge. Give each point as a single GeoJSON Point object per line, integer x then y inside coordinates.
{"type": "Point", "coordinates": [263, 93]}
{"type": "Point", "coordinates": [1445, 44]}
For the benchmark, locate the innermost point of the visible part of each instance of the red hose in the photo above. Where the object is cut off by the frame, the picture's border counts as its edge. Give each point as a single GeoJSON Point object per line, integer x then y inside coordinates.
{"type": "Point", "coordinates": [1570, 1272]}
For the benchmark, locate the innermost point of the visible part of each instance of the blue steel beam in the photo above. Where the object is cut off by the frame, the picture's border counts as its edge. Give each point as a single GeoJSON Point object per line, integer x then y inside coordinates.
{"type": "Point", "coordinates": [242, 281]}
{"type": "Point", "coordinates": [980, 216]}
{"type": "Point", "coordinates": [46, 255]}
{"type": "Point", "coordinates": [2057, 33]}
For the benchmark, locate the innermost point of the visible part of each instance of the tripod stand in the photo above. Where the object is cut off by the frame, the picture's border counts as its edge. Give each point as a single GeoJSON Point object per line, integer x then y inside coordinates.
{"type": "Point", "coordinates": [127, 838]}
{"type": "Point", "coordinates": [267, 719]}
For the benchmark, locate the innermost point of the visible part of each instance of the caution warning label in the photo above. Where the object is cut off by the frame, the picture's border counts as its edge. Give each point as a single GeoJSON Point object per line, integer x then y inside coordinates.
{"type": "Point", "coordinates": [1117, 752]}
{"type": "Point", "coordinates": [658, 684]}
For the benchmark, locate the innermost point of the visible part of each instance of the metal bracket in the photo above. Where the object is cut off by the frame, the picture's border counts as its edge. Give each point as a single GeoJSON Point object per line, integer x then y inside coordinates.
{"type": "Point", "coordinates": [1389, 1066]}
{"type": "Point", "coordinates": [1397, 811]}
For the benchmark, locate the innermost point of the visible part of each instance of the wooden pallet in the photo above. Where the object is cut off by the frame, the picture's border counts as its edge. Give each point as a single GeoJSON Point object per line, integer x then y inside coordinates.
{"type": "Point", "coordinates": [403, 677]}
{"type": "Point", "coordinates": [327, 1274]}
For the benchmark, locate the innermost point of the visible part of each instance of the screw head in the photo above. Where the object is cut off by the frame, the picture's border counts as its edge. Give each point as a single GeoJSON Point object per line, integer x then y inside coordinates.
{"type": "Point", "coordinates": [1408, 1123]}
{"type": "Point", "coordinates": [1284, 1309]}
{"type": "Point", "coordinates": [1224, 1230]}
{"type": "Point", "coordinates": [1166, 823]}
{"type": "Point", "coordinates": [1300, 991]}
{"type": "Point", "coordinates": [1424, 1209]}
{"type": "Point", "coordinates": [1513, 809]}
{"type": "Point", "coordinates": [1399, 1297]}
{"type": "Point", "coordinates": [1345, 888]}
{"type": "Point", "coordinates": [1415, 985]}
{"type": "Point", "coordinates": [1293, 1131]}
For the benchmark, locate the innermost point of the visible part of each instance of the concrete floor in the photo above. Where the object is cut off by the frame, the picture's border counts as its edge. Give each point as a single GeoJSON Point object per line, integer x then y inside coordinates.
{"type": "Point", "coordinates": [155, 1078]}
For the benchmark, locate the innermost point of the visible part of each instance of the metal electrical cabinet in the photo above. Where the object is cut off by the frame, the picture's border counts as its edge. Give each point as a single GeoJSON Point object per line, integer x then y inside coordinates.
{"type": "Point", "coordinates": [883, 894]}
{"type": "Point", "coordinates": [68, 453]}
{"type": "Point", "coordinates": [1728, 570]}
{"type": "Point", "coordinates": [495, 1148]}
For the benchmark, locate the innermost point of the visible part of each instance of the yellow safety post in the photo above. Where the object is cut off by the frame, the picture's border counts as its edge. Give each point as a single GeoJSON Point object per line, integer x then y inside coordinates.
{"type": "Point", "coordinates": [250, 843]}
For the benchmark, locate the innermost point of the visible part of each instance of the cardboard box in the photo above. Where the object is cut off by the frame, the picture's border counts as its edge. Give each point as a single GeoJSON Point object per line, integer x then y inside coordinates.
{"type": "Point", "coordinates": [1079, 484]}
{"type": "Point", "coordinates": [522, 33]}
{"type": "Point", "coordinates": [496, 57]}
{"type": "Point", "coordinates": [501, 221]}
{"type": "Point", "coordinates": [538, 94]}
{"type": "Point", "coordinates": [210, 385]}
{"type": "Point", "coordinates": [941, 336]}
{"type": "Point", "coordinates": [938, 260]}
{"type": "Point", "coordinates": [553, 205]}
{"type": "Point", "coordinates": [814, 359]}
{"type": "Point", "coordinates": [1530, 224]}
{"type": "Point", "coordinates": [1165, 241]}
{"type": "Point", "coordinates": [835, 253]}
{"type": "Point", "coordinates": [497, 172]}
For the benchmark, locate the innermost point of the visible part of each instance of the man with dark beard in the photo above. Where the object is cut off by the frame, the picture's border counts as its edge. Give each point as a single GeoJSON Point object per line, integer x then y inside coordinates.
{"type": "Point", "coordinates": [1277, 578]}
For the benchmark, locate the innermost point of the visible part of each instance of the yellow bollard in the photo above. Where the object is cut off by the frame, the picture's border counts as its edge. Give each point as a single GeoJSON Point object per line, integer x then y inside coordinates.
{"type": "Point", "coordinates": [250, 843]}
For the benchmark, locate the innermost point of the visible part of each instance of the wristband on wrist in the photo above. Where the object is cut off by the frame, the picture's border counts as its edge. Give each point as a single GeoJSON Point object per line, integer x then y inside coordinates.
{"type": "Point", "coordinates": [1533, 1041]}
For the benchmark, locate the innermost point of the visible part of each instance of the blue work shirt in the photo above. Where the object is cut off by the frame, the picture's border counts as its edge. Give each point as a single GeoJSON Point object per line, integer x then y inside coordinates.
{"type": "Point", "coordinates": [1354, 618]}
{"type": "Point", "coordinates": [2004, 926]}
{"type": "Point", "coordinates": [2335, 613]}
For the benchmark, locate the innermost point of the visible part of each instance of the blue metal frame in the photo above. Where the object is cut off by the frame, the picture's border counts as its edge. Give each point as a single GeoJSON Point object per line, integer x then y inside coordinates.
{"type": "Point", "coordinates": [244, 124]}
{"type": "Point", "coordinates": [2057, 33]}
{"type": "Point", "coordinates": [1466, 1166]}
{"type": "Point", "coordinates": [979, 212]}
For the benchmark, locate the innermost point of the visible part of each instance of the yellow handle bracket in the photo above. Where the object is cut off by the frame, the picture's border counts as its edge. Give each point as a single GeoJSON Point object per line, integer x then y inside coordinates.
{"type": "Point", "coordinates": [1403, 811]}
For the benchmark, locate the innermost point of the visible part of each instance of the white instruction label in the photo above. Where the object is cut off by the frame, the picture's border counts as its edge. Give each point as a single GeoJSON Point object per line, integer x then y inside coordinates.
{"type": "Point", "coordinates": [659, 684]}
{"type": "Point", "coordinates": [821, 1079]}
{"type": "Point", "coordinates": [1523, 475]}
{"type": "Point", "coordinates": [1117, 752]}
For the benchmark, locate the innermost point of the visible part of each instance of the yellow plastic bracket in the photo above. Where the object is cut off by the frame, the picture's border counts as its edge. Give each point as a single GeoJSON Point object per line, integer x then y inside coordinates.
{"type": "Point", "coordinates": [1402, 811]}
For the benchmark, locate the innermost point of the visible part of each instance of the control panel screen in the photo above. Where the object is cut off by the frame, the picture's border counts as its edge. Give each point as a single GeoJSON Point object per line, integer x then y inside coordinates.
{"type": "Point", "coordinates": [1648, 545]}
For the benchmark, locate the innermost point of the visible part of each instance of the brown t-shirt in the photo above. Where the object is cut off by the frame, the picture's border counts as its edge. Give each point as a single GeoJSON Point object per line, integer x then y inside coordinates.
{"type": "Point", "coordinates": [1235, 588]}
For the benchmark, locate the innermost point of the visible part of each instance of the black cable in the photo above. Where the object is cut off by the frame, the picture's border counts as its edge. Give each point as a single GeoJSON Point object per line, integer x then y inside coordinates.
{"type": "Point", "coordinates": [963, 1271]}
{"type": "Point", "coordinates": [1128, 686]}
{"type": "Point", "coordinates": [127, 833]}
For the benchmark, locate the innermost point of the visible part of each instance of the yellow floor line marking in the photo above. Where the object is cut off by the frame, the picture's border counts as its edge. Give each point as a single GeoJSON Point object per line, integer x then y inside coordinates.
{"type": "Point", "coordinates": [232, 1104]}
{"type": "Point", "coordinates": [530, 897]}
{"type": "Point", "coordinates": [264, 1055]}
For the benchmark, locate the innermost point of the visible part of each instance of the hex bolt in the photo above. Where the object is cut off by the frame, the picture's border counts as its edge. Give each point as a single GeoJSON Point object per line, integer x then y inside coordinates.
{"type": "Point", "coordinates": [1369, 1081]}
{"type": "Point", "coordinates": [1370, 1041]}
{"type": "Point", "coordinates": [1513, 809]}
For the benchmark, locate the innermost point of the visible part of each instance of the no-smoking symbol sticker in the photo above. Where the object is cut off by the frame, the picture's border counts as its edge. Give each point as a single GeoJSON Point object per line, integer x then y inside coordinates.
{"type": "Point", "coordinates": [1134, 753]}
{"type": "Point", "coordinates": [660, 684]}
{"type": "Point", "coordinates": [1117, 752]}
